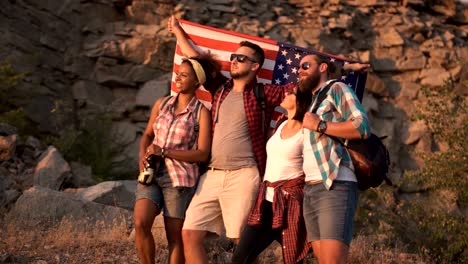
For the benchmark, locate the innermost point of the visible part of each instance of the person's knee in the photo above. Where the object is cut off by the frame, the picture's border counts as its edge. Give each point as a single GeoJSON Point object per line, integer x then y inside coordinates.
{"type": "Point", "coordinates": [192, 237]}
{"type": "Point", "coordinates": [143, 224]}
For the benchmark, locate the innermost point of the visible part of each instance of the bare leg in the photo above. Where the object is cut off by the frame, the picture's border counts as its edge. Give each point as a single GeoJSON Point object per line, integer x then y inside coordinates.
{"type": "Point", "coordinates": [173, 228]}
{"type": "Point", "coordinates": [144, 213]}
{"type": "Point", "coordinates": [316, 249]}
{"type": "Point", "coordinates": [193, 246]}
{"type": "Point", "coordinates": [331, 252]}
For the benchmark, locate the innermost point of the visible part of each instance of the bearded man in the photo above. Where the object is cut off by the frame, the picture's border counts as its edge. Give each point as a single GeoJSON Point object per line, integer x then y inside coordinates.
{"type": "Point", "coordinates": [330, 193]}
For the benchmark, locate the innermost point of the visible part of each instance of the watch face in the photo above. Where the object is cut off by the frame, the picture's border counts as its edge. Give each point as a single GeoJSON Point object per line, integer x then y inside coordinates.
{"type": "Point", "coordinates": [323, 126]}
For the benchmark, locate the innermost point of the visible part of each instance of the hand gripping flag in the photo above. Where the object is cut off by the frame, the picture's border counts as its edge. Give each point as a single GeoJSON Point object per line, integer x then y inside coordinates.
{"type": "Point", "coordinates": [281, 59]}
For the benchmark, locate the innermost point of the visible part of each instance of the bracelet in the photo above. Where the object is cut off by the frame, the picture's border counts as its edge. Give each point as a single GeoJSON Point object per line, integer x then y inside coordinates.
{"type": "Point", "coordinates": [162, 152]}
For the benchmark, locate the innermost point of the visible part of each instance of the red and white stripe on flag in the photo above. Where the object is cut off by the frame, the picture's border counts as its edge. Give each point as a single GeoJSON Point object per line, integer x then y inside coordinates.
{"type": "Point", "coordinates": [222, 43]}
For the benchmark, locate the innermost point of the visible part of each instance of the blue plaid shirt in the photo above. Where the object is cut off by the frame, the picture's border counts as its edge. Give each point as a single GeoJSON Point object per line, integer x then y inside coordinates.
{"type": "Point", "coordinates": [341, 104]}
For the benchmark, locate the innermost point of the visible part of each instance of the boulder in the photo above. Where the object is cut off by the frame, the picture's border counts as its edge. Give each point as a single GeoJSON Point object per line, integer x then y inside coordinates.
{"type": "Point", "coordinates": [7, 147]}
{"type": "Point", "coordinates": [6, 129]}
{"type": "Point", "coordinates": [114, 193]}
{"type": "Point", "coordinates": [52, 171]}
{"type": "Point", "coordinates": [44, 205]}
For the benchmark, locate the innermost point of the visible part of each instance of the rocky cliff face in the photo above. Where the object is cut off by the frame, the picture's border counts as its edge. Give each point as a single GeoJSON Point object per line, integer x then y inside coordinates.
{"type": "Point", "coordinates": [115, 56]}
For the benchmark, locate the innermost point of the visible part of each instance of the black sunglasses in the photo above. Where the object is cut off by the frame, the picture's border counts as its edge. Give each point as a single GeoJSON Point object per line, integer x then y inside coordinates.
{"type": "Point", "coordinates": [305, 65]}
{"type": "Point", "coordinates": [241, 58]}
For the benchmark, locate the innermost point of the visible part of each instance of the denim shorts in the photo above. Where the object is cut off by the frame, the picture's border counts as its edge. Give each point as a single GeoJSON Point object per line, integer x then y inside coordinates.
{"type": "Point", "coordinates": [173, 201]}
{"type": "Point", "coordinates": [329, 214]}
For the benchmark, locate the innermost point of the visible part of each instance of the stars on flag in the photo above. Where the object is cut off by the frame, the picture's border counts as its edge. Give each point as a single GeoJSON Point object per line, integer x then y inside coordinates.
{"type": "Point", "coordinates": [287, 68]}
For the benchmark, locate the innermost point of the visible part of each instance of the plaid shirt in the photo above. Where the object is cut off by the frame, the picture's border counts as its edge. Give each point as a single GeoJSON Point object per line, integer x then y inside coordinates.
{"type": "Point", "coordinates": [274, 94]}
{"type": "Point", "coordinates": [178, 132]}
{"type": "Point", "coordinates": [287, 215]}
{"type": "Point", "coordinates": [340, 105]}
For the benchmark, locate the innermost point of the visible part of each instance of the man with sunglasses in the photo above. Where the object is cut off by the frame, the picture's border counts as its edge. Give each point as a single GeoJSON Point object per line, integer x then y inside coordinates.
{"type": "Point", "coordinates": [330, 193]}
{"type": "Point", "coordinates": [228, 190]}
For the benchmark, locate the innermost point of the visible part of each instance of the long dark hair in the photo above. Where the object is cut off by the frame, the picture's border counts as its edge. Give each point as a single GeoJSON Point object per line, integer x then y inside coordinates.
{"type": "Point", "coordinates": [303, 101]}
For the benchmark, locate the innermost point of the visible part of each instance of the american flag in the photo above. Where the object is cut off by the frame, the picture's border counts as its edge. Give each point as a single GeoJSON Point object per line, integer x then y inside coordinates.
{"type": "Point", "coordinates": [281, 59]}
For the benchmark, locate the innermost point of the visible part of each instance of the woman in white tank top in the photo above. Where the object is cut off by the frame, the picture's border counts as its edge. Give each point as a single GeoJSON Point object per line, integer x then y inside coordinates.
{"type": "Point", "coordinates": [277, 214]}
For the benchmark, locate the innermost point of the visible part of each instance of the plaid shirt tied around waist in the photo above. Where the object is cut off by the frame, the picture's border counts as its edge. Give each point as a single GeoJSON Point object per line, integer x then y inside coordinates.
{"type": "Point", "coordinates": [287, 215]}
{"type": "Point", "coordinates": [178, 132]}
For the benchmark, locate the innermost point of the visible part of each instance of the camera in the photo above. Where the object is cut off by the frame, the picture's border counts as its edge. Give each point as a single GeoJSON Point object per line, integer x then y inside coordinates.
{"type": "Point", "coordinates": [151, 165]}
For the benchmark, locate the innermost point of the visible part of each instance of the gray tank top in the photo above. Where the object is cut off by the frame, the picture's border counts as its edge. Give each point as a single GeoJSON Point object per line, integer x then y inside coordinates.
{"type": "Point", "coordinates": [231, 148]}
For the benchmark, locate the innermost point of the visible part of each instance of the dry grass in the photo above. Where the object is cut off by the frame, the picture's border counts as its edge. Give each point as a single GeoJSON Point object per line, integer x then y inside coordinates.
{"type": "Point", "coordinates": [81, 242]}
{"type": "Point", "coordinates": [66, 242]}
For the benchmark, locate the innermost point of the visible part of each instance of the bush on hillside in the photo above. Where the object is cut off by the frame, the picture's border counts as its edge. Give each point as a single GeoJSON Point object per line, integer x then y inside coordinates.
{"type": "Point", "coordinates": [435, 227]}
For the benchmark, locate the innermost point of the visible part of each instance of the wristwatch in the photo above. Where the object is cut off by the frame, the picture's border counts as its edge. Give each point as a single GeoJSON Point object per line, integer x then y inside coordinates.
{"type": "Point", "coordinates": [322, 127]}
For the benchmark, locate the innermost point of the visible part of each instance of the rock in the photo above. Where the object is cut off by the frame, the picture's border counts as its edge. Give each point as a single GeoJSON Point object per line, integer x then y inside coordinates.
{"type": "Point", "coordinates": [384, 59]}
{"type": "Point", "coordinates": [409, 90]}
{"type": "Point", "coordinates": [370, 103]}
{"type": "Point", "coordinates": [152, 90]}
{"type": "Point", "coordinates": [82, 175]}
{"type": "Point", "coordinates": [416, 130]}
{"type": "Point", "coordinates": [124, 131]}
{"type": "Point", "coordinates": [434, 76]}
{"type": "Point", "coordinates": [52, 171]}
{"type": "Point", "coordinates": [88, 92]}
{"type": "Point", "coordinates": [114, 193]}
{"type": "Point", "coordinates": [33, 143]}
{"type": "Point", "coordinates": [123, 100]}
{"type": "Point", "coordinates": [447, 7]}
{"type": "Point", "coordinates": [95, 15]}
{"type": "Point", "coordinates": [390, 37]}
{"type": "Point", "coordinates": [47, 206]}
{"type": "Point", "coordinates": [7, 147]}
{"type": "Point", "coordinates": [109, 73]}
{"type": "Point", "coordinates": [376, 85]}
{"type": "Point", "coordinates": [443, 200]}
{"type": "Point", "coordinates": [141, 73]}
{"type": "Point", "coordinates": [412, 59]}
{"type": "Point", "coordinates": [7, 130]}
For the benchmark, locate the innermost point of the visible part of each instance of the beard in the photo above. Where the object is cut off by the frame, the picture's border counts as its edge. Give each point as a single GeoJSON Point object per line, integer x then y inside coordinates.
{"type": "Point", "coordinates": [310, 83]}
{"type": "Point", "coordinates": [239, 75]}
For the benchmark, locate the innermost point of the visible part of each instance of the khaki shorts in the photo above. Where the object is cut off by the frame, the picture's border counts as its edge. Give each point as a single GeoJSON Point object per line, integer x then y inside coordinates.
{"type": "Point", "coordinates": [223, 195]}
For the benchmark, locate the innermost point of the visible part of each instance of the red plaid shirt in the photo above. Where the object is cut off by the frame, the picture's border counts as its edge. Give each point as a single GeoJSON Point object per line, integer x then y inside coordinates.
{"type": "Point", "coordinates": [274, 94]}
{"type": "Point", "coordinates": [287, 215]}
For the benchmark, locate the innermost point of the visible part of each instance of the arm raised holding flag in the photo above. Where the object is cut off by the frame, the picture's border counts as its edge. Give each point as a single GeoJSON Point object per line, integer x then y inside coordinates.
{"type": "Point", "coordinates": [226, 193]}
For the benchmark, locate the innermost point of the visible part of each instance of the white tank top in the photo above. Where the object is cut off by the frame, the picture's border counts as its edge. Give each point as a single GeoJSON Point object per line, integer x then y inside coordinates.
{"type": "Point", "coordinates": [284, 158]}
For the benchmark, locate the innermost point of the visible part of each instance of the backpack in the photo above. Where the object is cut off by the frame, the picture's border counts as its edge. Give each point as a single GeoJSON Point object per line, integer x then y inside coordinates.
{"type": "Point", "coordinates": [202, 166]}
{"type": "Point", "coordinates": [370, 157]}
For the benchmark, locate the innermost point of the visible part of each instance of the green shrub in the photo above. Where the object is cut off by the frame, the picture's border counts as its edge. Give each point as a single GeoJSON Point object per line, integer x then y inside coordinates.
{"type": "Point", "coordinates": [8, 79]}
{"type": "Point", "coordinates": [426, 225]}
{"type": "Point", "coordinates": [94, 143]}
{"type": "Point", "coordinates": [8, 112]}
